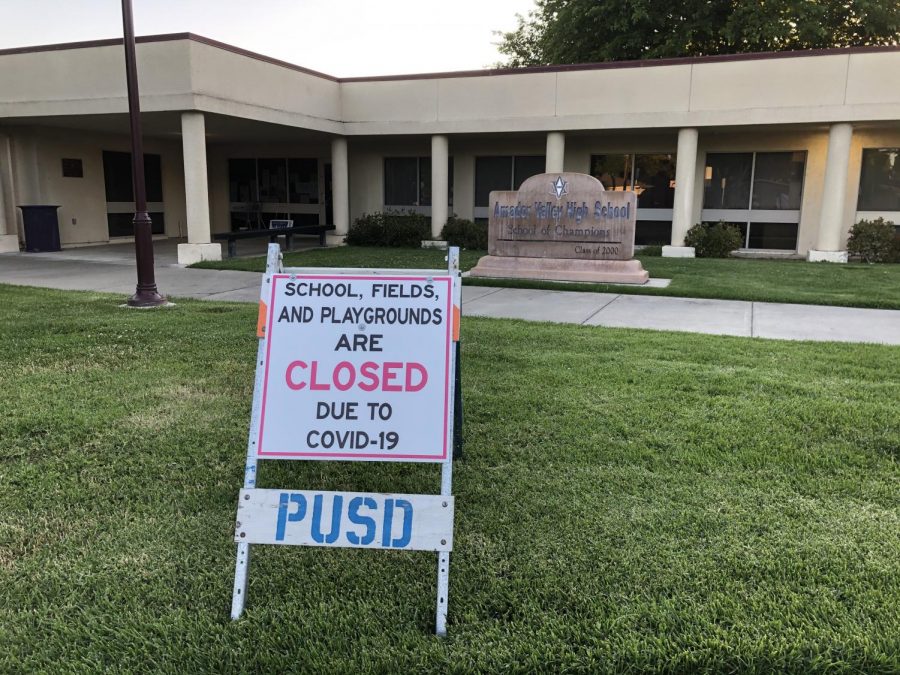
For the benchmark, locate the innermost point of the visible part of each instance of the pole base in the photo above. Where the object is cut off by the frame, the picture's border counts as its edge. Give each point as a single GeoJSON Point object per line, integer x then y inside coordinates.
{"type": "Point", "coordinates": [146, 299]}
{"type": "Point", "coordinates": [827, 256]}
{"type": "Point", "coordinates": [678, 252]}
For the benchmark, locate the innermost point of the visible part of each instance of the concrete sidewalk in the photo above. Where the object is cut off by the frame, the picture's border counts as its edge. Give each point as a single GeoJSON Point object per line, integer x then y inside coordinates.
{"type": "Point", "coordinates": [713, 317]}
{"type": "Point", "coordinates": [111, 269]}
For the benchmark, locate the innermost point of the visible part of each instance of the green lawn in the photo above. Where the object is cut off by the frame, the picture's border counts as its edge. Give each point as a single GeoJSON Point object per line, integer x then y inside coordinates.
{"type": "Point", "coordinates": [630, 501]}
{"type": "Point", "coordinates": [352, 256]}
{"type": "Point", "coordinates": [852, 285]}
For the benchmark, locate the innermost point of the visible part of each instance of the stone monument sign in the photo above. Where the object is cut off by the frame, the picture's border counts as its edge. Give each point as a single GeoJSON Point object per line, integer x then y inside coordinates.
{"type": "Point", "coordinates": [563, 227]}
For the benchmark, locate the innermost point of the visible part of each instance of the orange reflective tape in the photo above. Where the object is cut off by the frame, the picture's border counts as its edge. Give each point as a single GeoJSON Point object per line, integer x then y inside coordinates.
{"type": "Point", "coordinates": [457, 317]}
{"type": "Point", "coordinates": [261, 320]}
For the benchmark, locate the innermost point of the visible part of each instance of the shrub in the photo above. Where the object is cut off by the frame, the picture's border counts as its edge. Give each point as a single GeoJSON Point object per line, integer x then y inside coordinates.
{"type": "Point", "coordinates": [872, 240]}
{"type": "Point", "coordinates": [465, 234]}
{"type": "Point", "coordinates": [894, 253]}
{"type": "Point", "coordinates": [389, 228]}
{"type": "Point", "coordinates": [713, 240]}
{"type": "Point", "coordinates": [651, 251]}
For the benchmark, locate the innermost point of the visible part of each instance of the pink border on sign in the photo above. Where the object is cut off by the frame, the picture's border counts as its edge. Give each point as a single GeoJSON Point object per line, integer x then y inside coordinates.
{"type": "Point", "coordinates": [350, 455]}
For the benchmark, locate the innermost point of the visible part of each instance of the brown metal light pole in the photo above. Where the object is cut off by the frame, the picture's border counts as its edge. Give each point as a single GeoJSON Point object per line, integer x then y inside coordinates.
{"type": "Point", "coordinates": [146, 294]}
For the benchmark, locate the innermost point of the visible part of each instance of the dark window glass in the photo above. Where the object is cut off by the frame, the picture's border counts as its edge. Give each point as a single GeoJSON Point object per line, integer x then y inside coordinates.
{"type": "Point", "coordinates": [400, 181]}
{"type": "Point", "coordinates": [272, 180]}
{"type": "Point", "coordinates": [491, 173]}
{"type": "Point", "coordinates": [117, 177]}
{"type": "Point", "coordinates": [424, 181]}
{"type": "Point", "coordinates": [778, 180]}
{"type": "Point", "coordinates": [122, 224]}
{"type": "Point", "coordinates": [654, 181]}
{"type": "Point", "coordinates": [526, 166]}
{"type": "Point", "coordinates": [153, 177]}
{"type": "Point", "coordinates": [879, 183]}
{"type": "Point", "coordinates": [450, 187]}
{"type": "Point", "coordinates": [329, 202]}
{"type": "Point", "coordinates": [614, 171]}
{"type": "Point", "coordinates": [242, 180]}
{"type": "Point", "coordinates": [72, 168]}
{"type": "Point", "coordinates": [303, 181]}
{"type": "Point", "coordinates": [304, 218]}
{"type": "Point", "coordinates": [727, 180]}
{"type": "Point", "coordinates": [652, 232]}
{"type": "Point", "coordinates": [782, 236]}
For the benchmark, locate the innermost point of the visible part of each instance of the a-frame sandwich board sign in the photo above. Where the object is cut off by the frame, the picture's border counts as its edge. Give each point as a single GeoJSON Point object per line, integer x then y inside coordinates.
{"type": "Point", "coordinates": [352, 365]}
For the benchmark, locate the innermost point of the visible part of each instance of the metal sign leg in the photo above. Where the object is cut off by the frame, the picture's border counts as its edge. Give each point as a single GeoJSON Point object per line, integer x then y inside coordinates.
{"type": "Point", "coordinates": [241, 570]}
{"type": "Point", "coordinates": [242, 563]}
{"type": "Point", "coordinates": [443, 580]}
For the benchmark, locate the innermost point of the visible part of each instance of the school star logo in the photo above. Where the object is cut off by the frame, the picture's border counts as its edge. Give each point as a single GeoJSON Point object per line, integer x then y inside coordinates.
{"type": "Point", "coordinates": [560, 187]}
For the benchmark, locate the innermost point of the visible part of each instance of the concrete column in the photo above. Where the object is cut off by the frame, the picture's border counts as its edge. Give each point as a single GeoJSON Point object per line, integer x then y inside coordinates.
{"type": "Point", "coordinates": [340, 191]}
{"type": "Point", "coordinates": [440, 184]}
{"type": "Point", "coordinates": [685, 181]}
{"type": "Point", "coordinates": [9, 238]}
{"type": "Point", "coordinates": [834, 197]}
{"type": "Point", "coordinates": [556, 152]}
{"type": "Point", "coordinates": [196, 192]}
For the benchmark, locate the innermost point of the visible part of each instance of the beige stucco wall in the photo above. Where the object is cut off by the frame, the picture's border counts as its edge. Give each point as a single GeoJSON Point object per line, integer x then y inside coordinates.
{"type": "Point", "coordinates": [92, 80]}
{"type": "Point", "coordinates": [786, 90]}
{"type": "Point", "coordinates": [37, 160]}
{"type": "Point", "coordinates": [185, 74]}
{"type": "Point", "coordinates": [233, 84]}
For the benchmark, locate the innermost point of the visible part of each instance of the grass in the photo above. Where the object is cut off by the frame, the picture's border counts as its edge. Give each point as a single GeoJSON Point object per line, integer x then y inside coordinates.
{"type": "Point", "coordinates": [629, 501]}
{"type": "Point", "coordinates": [351, 256]}
{"type": "Point", "coordinates": [794, 281]}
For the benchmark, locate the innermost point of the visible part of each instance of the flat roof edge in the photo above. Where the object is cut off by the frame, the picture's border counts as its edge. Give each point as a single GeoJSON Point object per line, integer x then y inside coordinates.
{"type": "Point", "coordinates": [168, 37]}
{"type": "Point", "coordinates": [488, 72]}
{"type": "Point", "coordinates": [635, 63]}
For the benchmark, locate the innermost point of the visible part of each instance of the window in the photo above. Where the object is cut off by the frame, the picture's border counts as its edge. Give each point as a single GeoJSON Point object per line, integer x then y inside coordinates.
{"type": "Point", "coordinates": [654, 181]}
{"type": "Point", "coordinates": [879, 182]}
{"type": "Point", "coordinates": [303, 181]}
{"type": "Point", "coordinates": [264, 189]}
{"type": "Point", "coordinates": [407, 181]}
{"type": "Point", "coordinates": [727, 184]}
{"type": "Point", "coordinates": [272, 176]}
{"type": "Point", "coordinates": [778, 180]}
{"type": "Point", "coordinates": [120, 192]}
{"type": "Point", "coordinates": [491, 173]}
{"type": "Point", "coordinates": [652, 177]}
{"type": "Point", "coordinates": [504, 172]}
{"type": "Point", "coordinates": [401, 181]}
{"type": "Point", "coordinates": [526, 166]}
{"type": "Point", "coordinates": [760, 192]}
{"type": "Point", "coordinates": [242, 180]}
{"type": "Point", "coordinates": [614, 171]}
{"type": "Point", "coordinates": [117, 177]}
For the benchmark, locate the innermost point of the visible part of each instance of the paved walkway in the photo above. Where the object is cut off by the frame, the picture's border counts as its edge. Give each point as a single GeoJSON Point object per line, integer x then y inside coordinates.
{"type": "Point", "coordinates": [111, 269]}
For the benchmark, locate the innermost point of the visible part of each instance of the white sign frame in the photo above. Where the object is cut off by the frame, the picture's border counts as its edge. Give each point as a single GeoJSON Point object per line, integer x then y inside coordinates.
{"type": "Point", "coordinates": [251, 494]}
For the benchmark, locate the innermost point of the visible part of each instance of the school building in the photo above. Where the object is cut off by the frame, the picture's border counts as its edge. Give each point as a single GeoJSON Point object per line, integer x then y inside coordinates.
{"type": "Point", "coordinates": [793, 147]}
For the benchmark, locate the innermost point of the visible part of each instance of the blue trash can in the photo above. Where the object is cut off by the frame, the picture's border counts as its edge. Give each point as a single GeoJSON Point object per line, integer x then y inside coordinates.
{"type": "Point", "coordinates": [41, 224]}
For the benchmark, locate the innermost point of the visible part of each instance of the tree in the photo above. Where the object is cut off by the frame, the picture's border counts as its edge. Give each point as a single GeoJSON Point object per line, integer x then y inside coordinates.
{"type": "Point", "coordinates": [588, 31]}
